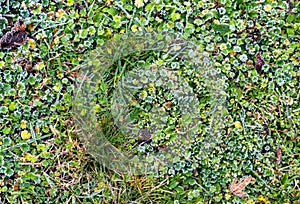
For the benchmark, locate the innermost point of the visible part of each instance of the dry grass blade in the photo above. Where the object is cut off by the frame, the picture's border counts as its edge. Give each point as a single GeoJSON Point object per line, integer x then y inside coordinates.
{"type": "Point", "coordinates": [237, 188]}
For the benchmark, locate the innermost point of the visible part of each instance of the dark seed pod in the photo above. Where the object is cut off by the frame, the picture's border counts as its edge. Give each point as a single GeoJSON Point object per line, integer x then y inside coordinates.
{"type": "Point", "coordinates": [77, 6]}
{"type": "Point", "coordinates": [158, 15]}
{"type": "Point", "coordinates": [259, 62]}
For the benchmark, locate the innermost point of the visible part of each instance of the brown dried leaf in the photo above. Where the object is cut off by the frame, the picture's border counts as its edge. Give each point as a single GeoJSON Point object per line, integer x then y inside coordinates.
{"type": "Point", "coordinates": [237, 188]}
{"type": "Point", "coordinates": [19, 26]}
{"type": "Point", "coordinates": [17, 35]}
{"type": "Point", "coordinates": [16, 186]}
{"type": "Point", "coordinates": [47, 192]}
{"type": "Point", "coordinates": [278, 154]}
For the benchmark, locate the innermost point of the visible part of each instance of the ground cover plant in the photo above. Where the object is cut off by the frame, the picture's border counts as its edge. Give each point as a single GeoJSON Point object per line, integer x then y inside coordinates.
{"type": "Point", "coordinates": [254, 49]}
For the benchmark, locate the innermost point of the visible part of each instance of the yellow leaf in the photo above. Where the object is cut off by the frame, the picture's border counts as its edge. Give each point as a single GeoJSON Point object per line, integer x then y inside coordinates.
{"type": "Point", "coordinates": [134, 28]}
{"type": "Point", "coordinates": [56, 39]}
{"type": "Point", "coordinates": [23, 124]}
{"type": "Point", "coordinates": [25, 135]}
{"type": "Point", "coordinates": [227, 196]}
{"type": "Point", "coordinates": [60, 13]}
{"type": "Point", "coordinates": [37, 129]}
{"type": "Point", "coordinates": [39, 66]}
{"type": "Point", "coordinates": [28, 157]}
{"type": "Point", "coordinates": [31, 43]}
{"type": "Point", "coordinates": [238, 125]}
{"type": "Point", "coordinates": [267, 7]}
{"type": "Point", "coordinates": [30, 27]}
{"type": "Point", "coordinates": [263, 199]}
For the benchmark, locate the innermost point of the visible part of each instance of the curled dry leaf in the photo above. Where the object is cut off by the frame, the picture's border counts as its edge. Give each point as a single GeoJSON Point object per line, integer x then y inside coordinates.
{"type": "Point", "coordinates": [17, 35]}
{"type": "Point", "coordinates": [237, 188]}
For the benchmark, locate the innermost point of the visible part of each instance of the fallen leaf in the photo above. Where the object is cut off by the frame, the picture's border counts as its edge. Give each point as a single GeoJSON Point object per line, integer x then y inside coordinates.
{"type": "Point", "coordinates": [47, 192]}
{"type": "Point", "coordinates": [278, 154]}
{"type": "Point", "coordinates": [17, 36]}
{"type": "Point", "coordinates": [16, 186]}
{"type": "Point", "coordinates": [237, 188]}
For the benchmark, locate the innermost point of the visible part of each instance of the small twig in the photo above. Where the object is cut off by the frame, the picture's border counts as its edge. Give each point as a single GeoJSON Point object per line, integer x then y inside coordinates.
{"type": "Point", "coordinates": [8, 15]}
{"type": "Point", "coordinates": [54, 26]}
{"type": "Point", "coordinates": [30, 163]}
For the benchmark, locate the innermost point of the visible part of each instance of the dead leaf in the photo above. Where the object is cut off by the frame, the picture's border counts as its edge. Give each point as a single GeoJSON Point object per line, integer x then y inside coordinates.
{"type": "Point", "coordinates": [54, 130]}
{"type": "Point", "coordinates": [278, 154]}
{"type": "Point", "coordinates": [16, 186]}
{"type": "Point", "coordinates": [47, 192]}
{"type": "Point", "coordinates": [237, 188]}
{"type": "Point", "coordinates": [17, 36]}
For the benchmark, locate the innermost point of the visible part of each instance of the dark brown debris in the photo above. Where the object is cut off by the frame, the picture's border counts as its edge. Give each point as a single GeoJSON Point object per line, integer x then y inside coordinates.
{"type": "Point", "coordinates": [291, 6]}
{"type": "Point", "coordinates": [17, 36]}
{"type": "Point", "coordinates": [259, 62]}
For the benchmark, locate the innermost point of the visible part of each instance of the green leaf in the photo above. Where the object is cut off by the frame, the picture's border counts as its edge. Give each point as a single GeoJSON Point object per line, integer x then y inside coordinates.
{"type": "Point", "coordinates": [149, 6]}
{"type": "Point", "coordinates": [290, 18]}
{"type": "Point", "coordinates": [253, 14]}
{"type": "Point", "coordinates": [290, 31]}
{"type": "Point", "coordinates": [284, 179]}
{"type": "Point", "coordinates": [25, 147]}
{"type": "Point", "coordinates": [111, 11]}
{"type": "Point", "coordinates": [6, 141]}
{"type": "Point", "coordinates": [45, 2]}
{"type": "Point", "coordinates": [221, 28]}
{"type": "Point", "coordinates": [173, 184]}
{"type": "Point", "coordinates": [215, 13]}
{"type": "Point", "coordinates": [12, 106]}
{"type": "Point", "coordinates": [179, 189]}
{"type": "Point", "coordinates": [98, 17]}
{"type": "Point", "coordinates": [83, 33]}
{"type": "Point", "coordinates": [212, 189]}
